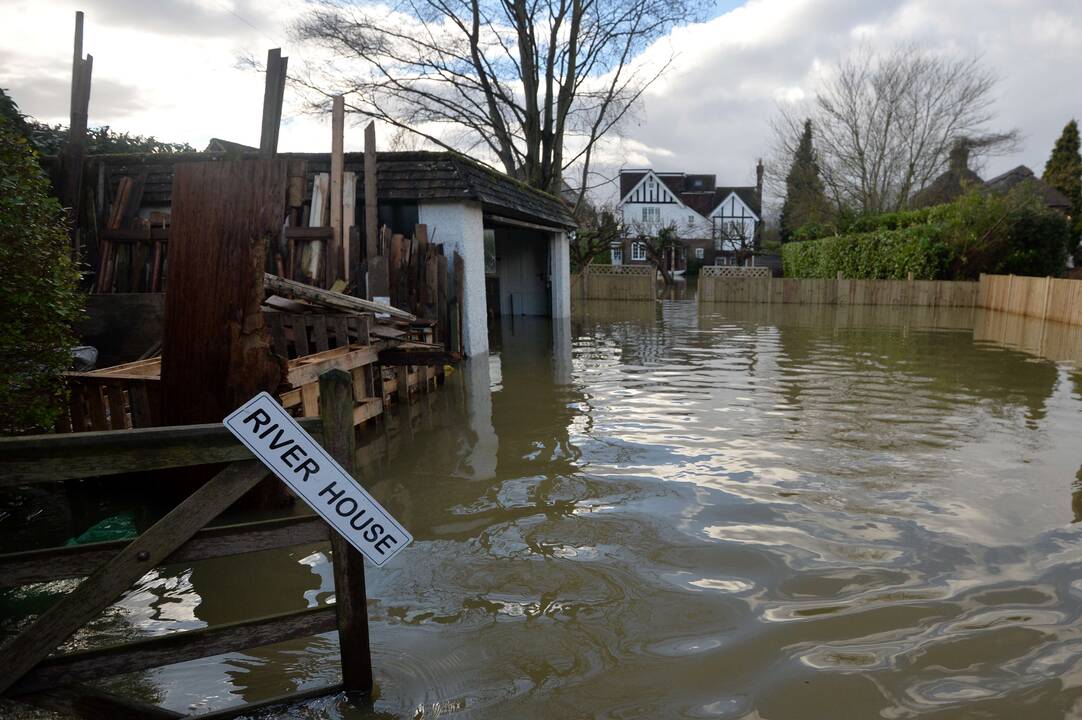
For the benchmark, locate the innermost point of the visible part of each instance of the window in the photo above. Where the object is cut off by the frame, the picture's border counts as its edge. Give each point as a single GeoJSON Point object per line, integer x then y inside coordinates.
{"type": "Point", "coordinates": [699, 252]}
{"type": "Point", "coordinates": [651, 215]}
{"type": "Point", "coordinates": [691, 219]}
{"type": "Point", "coordinates": [638, 251]}
{"type": "Point", "coordinates": [617, 256]}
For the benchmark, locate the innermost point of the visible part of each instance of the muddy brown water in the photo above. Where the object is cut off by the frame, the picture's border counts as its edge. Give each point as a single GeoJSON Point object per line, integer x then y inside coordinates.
{"type": "Point", "coordinates": [660, 512]}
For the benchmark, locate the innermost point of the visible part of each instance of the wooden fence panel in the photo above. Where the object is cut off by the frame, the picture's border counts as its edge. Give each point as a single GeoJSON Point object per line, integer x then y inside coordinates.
{"type": "Point", "coordinates": [836, 291]}
{"type": "Point", "coordinates": [1046, 298]}
{"type": "Point", "coordinates": [619, 282]}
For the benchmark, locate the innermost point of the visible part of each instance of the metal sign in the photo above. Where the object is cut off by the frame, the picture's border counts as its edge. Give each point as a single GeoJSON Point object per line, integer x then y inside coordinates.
{"type": "Point", "coordinates": [302, 464]}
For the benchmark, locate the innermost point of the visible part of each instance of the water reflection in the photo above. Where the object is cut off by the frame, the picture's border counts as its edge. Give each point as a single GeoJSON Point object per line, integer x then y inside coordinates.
{"type": "Point", "coordinates": [660, 510]}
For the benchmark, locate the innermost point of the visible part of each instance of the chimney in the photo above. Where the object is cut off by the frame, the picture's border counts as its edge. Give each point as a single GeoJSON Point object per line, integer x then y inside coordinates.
{"type": "Point", "coordinates": [759, 182]}
{"type": "Point", "coordinates": [959, 157]}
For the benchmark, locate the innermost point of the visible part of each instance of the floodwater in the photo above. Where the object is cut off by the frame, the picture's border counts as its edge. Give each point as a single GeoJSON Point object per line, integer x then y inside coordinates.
{"type": "Point", "coordinates": [660, 512]}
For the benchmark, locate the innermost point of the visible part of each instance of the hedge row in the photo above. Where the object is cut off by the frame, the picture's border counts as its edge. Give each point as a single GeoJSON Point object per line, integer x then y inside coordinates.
{"type": "Point", "coordinates": [980, 232]}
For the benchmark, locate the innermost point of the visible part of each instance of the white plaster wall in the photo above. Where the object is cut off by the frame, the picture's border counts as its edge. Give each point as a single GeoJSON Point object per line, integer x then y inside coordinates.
{"type": "Point", "coordinates": [459, 227]}
{"type": "Point", "coordinates": [560, 274]}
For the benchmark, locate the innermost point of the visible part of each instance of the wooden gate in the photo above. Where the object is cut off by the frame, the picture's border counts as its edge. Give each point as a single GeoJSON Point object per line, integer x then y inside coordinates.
{"type": "Point", "coordinates": [30, 673]}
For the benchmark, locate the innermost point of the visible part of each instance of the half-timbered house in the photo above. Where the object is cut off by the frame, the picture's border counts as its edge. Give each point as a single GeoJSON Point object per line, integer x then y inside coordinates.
{"type": "Point", "coordinates": [716, 225]}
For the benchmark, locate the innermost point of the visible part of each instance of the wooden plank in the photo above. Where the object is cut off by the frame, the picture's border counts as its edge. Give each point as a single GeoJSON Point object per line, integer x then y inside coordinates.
{"type": "Point", "coordinates": [280, 702]}
{"type": "Point", "coordinates": [349, 219]}
{"type": "Point", "coordinates": [335, 260]}
{"type": "Point", "coordinates": [277, 331]}
{"type": "Point", "coordinates": [308, 233]}
{"type": "Point", "coordinates": [177, 647]}
{"type": "Point", "coordinates": [69, 561]}
{"type": "Point", "coordinates": [220, 354]}
{"type": "Point", "coordinates": [310, 400]}
{"type": "Point", "coordinates": [95, 405]}
{"type": "Point", "coordinates": [335, 300]}
{"type": "Point", "coordinates": [345, 358]}
{"type": "Point", "coordinates": [337, 324]}
{"type": "Point", "coordinates": [371, 202]}
{"type": "Point", "coordinates": [37, 640]}
{"type": "Point", "coordinates": [272, 103]}
{"type": "Point", "coordinates": [319, 332]}
{"type": "Point", "coordinates": [90, 702]}
{"type": "Point", "coordinates": [435, 356]}
{"type": "Point", "coordinates": [351, 602]}
{"type": "Point", "coordinates": [49, 458]}
{"type": "Point", "coordinates": [118, 418]}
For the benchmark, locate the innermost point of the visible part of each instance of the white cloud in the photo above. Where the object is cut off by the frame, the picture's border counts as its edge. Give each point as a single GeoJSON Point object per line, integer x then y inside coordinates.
{"type": "Point", "coordinates": [171, 73]}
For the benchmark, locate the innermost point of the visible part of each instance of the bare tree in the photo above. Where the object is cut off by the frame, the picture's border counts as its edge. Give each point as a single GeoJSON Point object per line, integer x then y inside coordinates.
{"type": "Point", "coordinates": [736, 237]}
{"type": "Point", "coordinates": [532, 83]}
{"type": "Point", "coordinates": [885, 123]}
{"type": "Point", "coordinates": [598, 229]}
{"type": "Point", "coordinates": [660, 249]}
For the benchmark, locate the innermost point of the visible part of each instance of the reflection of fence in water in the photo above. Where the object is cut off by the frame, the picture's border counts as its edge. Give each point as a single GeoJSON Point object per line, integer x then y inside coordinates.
{"type": "Point", "coordinates": [1049, 339]}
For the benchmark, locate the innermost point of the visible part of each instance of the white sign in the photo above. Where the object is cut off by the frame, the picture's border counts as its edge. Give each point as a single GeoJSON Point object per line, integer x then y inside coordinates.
{"type": "Point", "coordinates": [302, 464]}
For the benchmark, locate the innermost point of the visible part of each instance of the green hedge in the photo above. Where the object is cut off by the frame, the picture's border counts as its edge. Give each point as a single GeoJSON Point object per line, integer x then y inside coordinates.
{"type": "Point", "coordinates": [980, 232]}
{"type": "Point", "coordinates": [38, 292]}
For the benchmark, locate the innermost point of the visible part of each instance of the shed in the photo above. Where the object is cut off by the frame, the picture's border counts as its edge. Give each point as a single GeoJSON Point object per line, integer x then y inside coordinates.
{"type": "Point", "coordinates": [465, 204]}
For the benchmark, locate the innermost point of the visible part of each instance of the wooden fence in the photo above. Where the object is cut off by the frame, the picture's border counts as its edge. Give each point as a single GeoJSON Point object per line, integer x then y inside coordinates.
{"type": "Point", "coordinates": [31, 673]}
{"type": "Point", "coordinates": [615, 282]}
{"type": "Point", "coordinates": [1045, 298]}
{"type": "Point", "coordinates": [836, 291]}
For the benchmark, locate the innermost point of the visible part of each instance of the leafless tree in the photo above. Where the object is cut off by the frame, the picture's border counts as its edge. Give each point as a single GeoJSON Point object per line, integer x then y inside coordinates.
{"type": "Point", "coordinates": [660, 247]}
{"type": "Point", "coordinates": [736, 237]}
{"type": "Point", "coordinates": [598, 229]}
{"type": "Point", "coordinates": [533, 84]}
{"type": "Point", "coordinates": [885, 123]}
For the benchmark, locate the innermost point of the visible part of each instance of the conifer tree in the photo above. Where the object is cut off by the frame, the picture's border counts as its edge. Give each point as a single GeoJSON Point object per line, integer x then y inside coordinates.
{"type": "Point", "coordinates": [805, 199]}
{"type": "Point", "coordinates": [1064, 168]}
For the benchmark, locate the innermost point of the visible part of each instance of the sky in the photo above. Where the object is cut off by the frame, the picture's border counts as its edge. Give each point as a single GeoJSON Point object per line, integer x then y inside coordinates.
{"type": "Point", "coordinates": [169, 68]}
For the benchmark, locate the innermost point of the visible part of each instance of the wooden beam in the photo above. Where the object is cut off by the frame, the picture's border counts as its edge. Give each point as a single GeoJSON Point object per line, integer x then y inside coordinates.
{"type": "Point", "coordinates": [300, 291]}
{"type": "Point", "coordinates": [349, 218]}
{"type": "Point", "coordinates": [351, 602]}
{"type": "Point", "coordinates": [272, 103]}
{"type": "Point", "coordinates": [419, 357]}
{"type": "Point", "coordinates": [334, 250]}
{"type": "Point", "coordinates": [308, 233]}
{"type": "Point", "coordinates": [86, 665]}
{"type": "Point", "coordinates": [41, 637]}
{"type": "Point", "coordinates": [252, 708]}
{"type": "Point", "coordinates": [346, 358]}
{"type": "Point", "coordinates": [69, 456]}
{"type": "Point", "coordinates": [68, 561]}
{"type": "Point", "coordinates": [90, 702]}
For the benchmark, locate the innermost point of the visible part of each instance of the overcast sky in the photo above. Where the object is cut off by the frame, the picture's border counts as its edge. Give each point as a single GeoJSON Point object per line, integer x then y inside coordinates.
{"type": "Point", "coordinates": [169, 68]}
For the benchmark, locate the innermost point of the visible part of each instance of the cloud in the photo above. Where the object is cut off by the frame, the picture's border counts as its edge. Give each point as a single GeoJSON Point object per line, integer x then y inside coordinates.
{"type": "Point", "coordinates": [711, 112]}
{"type": "Point", "coordinates": [169, 69]}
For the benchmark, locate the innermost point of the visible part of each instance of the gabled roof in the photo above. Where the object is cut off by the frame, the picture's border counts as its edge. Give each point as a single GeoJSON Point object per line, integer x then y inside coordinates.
{"type": "Point", "coordinates": [1006, 182]}
{"type": "Point", "coordinates": [698, 192]}
{"type": "Point", "coordinates": [219, 145]}
{"type": "Point", "coordinates": [706, 203]}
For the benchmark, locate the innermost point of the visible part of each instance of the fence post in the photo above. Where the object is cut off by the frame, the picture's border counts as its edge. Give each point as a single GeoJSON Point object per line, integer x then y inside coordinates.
{"type": "Point", "coordinates": [351, 602]}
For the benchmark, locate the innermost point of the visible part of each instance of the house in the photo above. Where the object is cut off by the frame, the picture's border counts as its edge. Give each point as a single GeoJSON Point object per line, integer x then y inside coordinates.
{"type": "Point", "coordinates": [716, 225]}
{"type": "Point", "coordinates": [949, 186]}
{"type": "Point", "coordinates": [465, 204]}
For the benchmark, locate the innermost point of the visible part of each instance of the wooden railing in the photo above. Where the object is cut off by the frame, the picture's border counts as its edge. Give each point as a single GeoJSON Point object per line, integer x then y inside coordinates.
{"type": "Point", "coordinates": [33, 674]}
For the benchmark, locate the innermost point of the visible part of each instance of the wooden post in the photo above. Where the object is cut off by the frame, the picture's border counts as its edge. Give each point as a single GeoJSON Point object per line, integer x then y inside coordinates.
{"type": "Point", "coordinates": [273, 92]}
{"type": "Point", "coordinates": [216, 351]}
{"type": "Point", "coordinates": [351, 602]}
{"type": "Point", "coordinates": [334, 247]}
{"type": "Point", "coordinates": [75, 150]}
{"type": "Point", "coordinates": [371, 202]}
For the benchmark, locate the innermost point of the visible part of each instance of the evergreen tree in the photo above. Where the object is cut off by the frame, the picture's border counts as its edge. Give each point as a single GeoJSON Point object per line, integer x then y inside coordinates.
{"type": "Point", "coordinates": [1064, 168]}
{"type": "Point", "coordinates": [805, 198]}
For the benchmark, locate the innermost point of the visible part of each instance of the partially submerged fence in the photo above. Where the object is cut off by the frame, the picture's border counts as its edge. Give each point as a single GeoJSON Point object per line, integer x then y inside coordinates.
{"type": "Point", "coordinates": [1046, 298]}
{"type": "Point", "coordinates": [615, 282]}
{"type": "Point", "coordinates": [754, 286]}
{"type": "Point", "coordinates": [32, 673]}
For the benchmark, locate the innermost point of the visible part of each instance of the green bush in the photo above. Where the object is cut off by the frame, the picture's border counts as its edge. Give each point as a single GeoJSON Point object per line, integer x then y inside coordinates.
{"type": "Point", "coordinates": [980, 232]}
{"type": "Point", "coordinates": [39, 293]}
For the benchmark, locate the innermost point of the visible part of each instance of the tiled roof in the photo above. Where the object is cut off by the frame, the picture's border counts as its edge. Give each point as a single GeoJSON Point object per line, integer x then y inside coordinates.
{"type": "Point", "coordinates": [1052, 197]}
{"type": "Point", "coordinates": [402, 176]}
{"type": "Point", "coordinates": [699, 191]}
